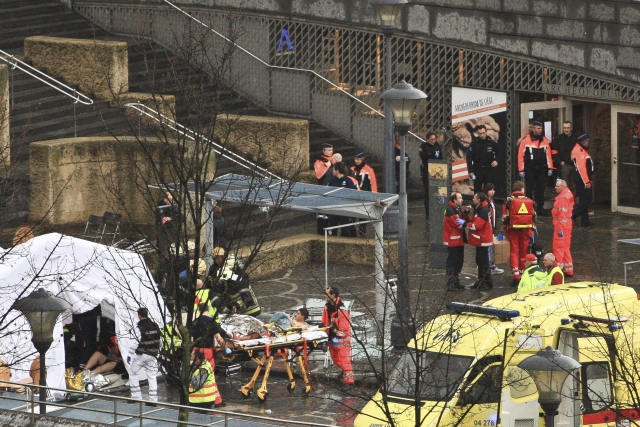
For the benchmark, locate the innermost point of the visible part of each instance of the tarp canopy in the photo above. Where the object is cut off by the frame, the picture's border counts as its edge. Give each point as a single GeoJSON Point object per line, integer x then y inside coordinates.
{"type": "Point", "coordinates": [271, 192]}
{"type": "Point", "coordinates": [84, 273]}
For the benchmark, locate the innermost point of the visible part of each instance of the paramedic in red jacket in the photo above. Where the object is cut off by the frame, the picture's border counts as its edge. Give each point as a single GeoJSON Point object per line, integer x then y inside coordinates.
{"type": "Point", "coordinates": [453, 238]}
{"type": "Point", "coordinates": [336, 317]}
{"type": "Point", "coordinates": [535, 164]}
{"type": "Point", "coordinates": [518, 219]}
{"type": "Point", "coordinates": [481, 236]}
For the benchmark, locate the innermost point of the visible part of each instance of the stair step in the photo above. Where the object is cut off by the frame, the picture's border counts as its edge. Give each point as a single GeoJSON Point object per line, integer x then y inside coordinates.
{"type": "Point", "coordinates": [33, 20]}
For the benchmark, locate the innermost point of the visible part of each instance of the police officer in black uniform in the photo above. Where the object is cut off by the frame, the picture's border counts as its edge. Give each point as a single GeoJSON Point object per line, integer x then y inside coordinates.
{"type": "Point", "coordinates": [483, 157]}
{"type": "Point", "coordinates": [429, 150]}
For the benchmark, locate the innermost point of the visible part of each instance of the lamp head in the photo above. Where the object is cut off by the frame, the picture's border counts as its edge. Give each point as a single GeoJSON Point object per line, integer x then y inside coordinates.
{"type": "Point", "coordinates": [549, 369]}
{"type": "Point", "coordinates": [402, 99]}
{"type": "Point", "coordinates": [388, 11]}
{"type": "Point", "coordinates": [41, 309]}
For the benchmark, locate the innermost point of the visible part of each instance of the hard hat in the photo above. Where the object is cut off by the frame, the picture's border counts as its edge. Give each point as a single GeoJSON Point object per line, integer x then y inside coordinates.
{"type": "Point", "coordinates": [217, 251]}
{"type": "Point", "coordinates": [191, 245]}
{"type": "Point", "coordinates": [202, 267]}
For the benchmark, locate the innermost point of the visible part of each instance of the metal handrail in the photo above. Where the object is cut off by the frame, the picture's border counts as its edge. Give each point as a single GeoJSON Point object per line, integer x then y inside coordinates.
{"type": "Point", "coordinates": [45, 78]}
{"type": "Point", "coordinates": [266, 64]}
{"type": "Point", "coordinates": [31, 402]}
{"type": "Point", "coordinates": [188, 133]}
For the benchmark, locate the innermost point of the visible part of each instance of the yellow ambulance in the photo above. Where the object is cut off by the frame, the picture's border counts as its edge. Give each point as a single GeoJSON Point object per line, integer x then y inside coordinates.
{"type": "Point", "coordinates": [462, 368]}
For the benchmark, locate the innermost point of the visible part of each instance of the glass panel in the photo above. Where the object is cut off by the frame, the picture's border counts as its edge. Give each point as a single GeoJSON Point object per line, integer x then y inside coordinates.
{"type": "Point", "coordinates": [550, 119]}
{"type": "Point", "coordinates": [596, 394]}
{"type": "Point", "coordinates": [628, 160]}
{"type": "Point", "coordinates": [437, 375]}
{"type": "Point", "coordinates": [487, 388]}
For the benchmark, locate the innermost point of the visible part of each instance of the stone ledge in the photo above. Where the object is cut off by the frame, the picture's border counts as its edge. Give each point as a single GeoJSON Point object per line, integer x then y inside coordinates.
{"type": "Point", "coordinates": [97, 67]}
{"type": "Point", "coordinates": [303, 248]}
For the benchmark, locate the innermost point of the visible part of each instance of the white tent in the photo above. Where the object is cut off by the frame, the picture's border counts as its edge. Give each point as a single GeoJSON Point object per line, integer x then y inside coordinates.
{"type": "Point", "coordinates": [83, 273]}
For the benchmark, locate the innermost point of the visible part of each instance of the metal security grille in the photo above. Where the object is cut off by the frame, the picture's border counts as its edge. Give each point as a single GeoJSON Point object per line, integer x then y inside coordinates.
{"type": "Point", "coordinates": [353, 61]}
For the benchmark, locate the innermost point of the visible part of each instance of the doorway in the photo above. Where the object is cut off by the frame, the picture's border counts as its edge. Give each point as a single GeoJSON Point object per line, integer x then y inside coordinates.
{"type": "Point", "coordinates": [625, 159]}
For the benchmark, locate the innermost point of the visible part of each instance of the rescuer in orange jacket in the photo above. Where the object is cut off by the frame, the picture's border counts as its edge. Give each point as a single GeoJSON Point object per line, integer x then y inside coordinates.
{"type": "Point", "coordinates": [321, 167]}
{"type": "Point", "coordinates": [481, 236]}
{"type": "Point", "coordinates": [453, 238]}
{"type": "Point", "coordinates": [518, 219]}
{"type": "Point", "coordinates": [535, 164]}
{"type": "Point", "coordinates": [336, 317]}
{"type": "Point", "coordinates": [563, 227]}
{"type": "Point", "coordinates": [584, 189]}
{"type": "Point", "coordinates": [367, 181]}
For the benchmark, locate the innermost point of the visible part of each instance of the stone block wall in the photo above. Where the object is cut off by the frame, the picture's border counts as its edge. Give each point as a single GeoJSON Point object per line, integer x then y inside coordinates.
{"type": "Point", "coordinates": [97, 67]}
{"type": "Point", "coordinates": [78, 177]}
{"type": "Point", "coordinates": [4, 115]}
{"type": "Point", "coordinates": [303, 248]}
{"type": "Point", "coordinates": [282, 144]}
{"type": "Point", "coordinates": [599, 35]}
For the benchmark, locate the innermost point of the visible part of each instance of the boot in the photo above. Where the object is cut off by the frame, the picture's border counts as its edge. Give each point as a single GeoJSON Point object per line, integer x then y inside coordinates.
{"type": "Point", "coordinates": [475, 285]}
{"type": "Point", "coordinates": [451, 283]}
{"type": "Point", "coordinates": [515, 283]}
{"type": "Point", "coordinates": [457, 284]}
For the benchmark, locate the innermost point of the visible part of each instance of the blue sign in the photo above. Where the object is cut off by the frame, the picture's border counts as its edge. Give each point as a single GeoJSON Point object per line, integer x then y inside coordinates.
{"type": "Point", "coordinates": [285, 40]}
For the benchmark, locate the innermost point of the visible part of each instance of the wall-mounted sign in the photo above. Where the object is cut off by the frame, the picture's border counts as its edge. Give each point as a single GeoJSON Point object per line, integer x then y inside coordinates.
{"type": "Point", "coordinates": [285, 45]}
{"type": "Point", "coordinates": [587, 92]}
{"type": "Point", "coordinates": [468, 104]}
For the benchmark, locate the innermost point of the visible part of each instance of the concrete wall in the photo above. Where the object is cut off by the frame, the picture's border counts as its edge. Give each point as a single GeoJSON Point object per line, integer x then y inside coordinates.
{"type": "Point", "coordinates": [594, 34]}
{"type": "Point", "coordinates": [4, 115]}
{"type": "Point", "coordinates": [303, 248]}
{"type": "Point", "coordinates": [282, 144]}
{"type": "Point", "coordinates": [95, 66]}
{"type": "Point", "coordinates": [78, 177]}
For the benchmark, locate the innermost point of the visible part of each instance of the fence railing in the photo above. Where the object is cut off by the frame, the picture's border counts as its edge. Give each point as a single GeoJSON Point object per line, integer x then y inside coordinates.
{"type": "Point", "coordinates": [76, 97]}
{"type": "Point", "coordinates": [194, 136]}
{"type": "Point", "coordinates": [223, 418]}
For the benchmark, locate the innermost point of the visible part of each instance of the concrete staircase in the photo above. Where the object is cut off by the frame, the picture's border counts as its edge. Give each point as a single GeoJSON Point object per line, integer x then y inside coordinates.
{"type": "Point", "coordinates": [39, 112]}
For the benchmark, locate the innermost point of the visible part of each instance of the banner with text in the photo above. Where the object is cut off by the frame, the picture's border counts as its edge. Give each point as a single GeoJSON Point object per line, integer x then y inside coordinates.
{"type": "Point", "coordinates": [471, 103]}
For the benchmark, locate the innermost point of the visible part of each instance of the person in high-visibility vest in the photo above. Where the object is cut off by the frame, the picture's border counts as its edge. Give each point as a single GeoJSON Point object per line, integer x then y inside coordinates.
{"type": "Point", "coordinates": [203, 391]}
{"type": "Point", "coordinates": [555, 276]}
{"type": "Point", "coordinates": [563, 227]}
{"type": "Point", "coordinates": [584, 188]}
{"type": "Point", "coordinates": [518, 219]}
{"type": "Point", "coordinates": [533, 277]}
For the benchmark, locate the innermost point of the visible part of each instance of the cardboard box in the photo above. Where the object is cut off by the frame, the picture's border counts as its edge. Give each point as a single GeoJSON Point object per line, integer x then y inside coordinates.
{"type": "Point", "coordinates": [501, 250]}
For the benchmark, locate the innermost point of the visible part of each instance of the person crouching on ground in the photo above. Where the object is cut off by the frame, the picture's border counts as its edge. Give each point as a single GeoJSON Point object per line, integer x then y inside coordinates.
{"type": "Point", "coordinates": [337, 318]}
{"type": "Point", "coordinates": [533, 276]}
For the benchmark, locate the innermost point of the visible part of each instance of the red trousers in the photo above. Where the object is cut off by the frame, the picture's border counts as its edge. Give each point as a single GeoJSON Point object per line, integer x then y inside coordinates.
{"type": "Point", "coordinates": [519, 246]}
{"type": "Point", "coordinates": [562, 245]}
{"type": "Point", "coordinates": [341, 356]}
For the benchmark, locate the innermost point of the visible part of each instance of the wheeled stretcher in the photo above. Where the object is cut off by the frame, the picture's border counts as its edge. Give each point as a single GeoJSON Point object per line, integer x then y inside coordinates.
{"type": "Point", "coordinates": [291, 345]}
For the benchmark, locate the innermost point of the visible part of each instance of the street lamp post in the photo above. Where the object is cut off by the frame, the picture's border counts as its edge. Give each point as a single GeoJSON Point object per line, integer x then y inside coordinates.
{"type": "Point", "coordinates": [402, 100]}
{"type": "Point", "coordinates": [388, 11]}
{"type": "Point", "coordinates": [42, 309]}
{"type": "Point", "coordinates": [549, 369]}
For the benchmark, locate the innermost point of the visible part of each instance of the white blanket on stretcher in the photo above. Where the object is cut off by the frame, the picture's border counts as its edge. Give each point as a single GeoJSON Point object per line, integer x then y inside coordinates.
{"type": "Point", "coordinates": [309, 336]}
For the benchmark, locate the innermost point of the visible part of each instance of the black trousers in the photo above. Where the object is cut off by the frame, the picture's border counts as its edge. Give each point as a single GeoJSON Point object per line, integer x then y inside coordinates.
{"type": "Point", "coordinates": [586, 197]}
{"type": "Point", "coordinates": [344, 231]}
{"type": "Point", "coordinates": [534, 181]}
{"type": "Point", "coordinates": [484, 267]}
{"type": "Point", "coordinates": [455, 260]}
{"type": "Point", "coordinates": [202, 405]}
{"type": "Point", "coordinates": [483, 176]}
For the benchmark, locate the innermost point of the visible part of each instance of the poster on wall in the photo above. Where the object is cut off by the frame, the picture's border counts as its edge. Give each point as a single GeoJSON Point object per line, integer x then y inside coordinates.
{"type": "Point", "coordinates": [471, 108]}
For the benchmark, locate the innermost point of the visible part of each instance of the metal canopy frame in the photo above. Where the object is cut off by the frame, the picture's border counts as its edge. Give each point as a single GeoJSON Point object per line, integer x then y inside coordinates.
{"type": "Point", "coordinates": [319, 199]}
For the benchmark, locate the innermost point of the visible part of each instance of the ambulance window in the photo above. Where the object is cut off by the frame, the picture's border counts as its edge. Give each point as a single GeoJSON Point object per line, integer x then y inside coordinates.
{"type": "Point", "coordinates": [487, 388]}
{"type": "Point", "coordinates": [596, 387]}
{"type": "Point", "coordinates": [520, 383]}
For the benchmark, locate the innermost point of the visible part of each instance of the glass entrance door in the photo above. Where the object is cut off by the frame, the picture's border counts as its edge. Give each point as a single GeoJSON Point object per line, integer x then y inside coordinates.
{"type": "Point", "coordinates": [625, 159]}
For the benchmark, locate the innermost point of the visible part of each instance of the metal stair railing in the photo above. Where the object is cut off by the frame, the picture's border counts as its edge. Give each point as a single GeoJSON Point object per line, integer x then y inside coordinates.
{"type": "Point", "coordinates": [194, 136]}
{"type": "Point", "coordinates": [67, 91]}
{"type": "Point", "coordinates": [266, 64]}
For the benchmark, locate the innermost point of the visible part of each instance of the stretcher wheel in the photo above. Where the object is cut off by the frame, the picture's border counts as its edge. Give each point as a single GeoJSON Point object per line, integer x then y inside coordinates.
{"type": "Point", "coordinates": [307, 390]}
{"type": "Point", "coordinates": [290, 387]}
{"type": "Point", "coordinates": [262, 399]}
{"type": "Point", "coordinates": [246, 396]}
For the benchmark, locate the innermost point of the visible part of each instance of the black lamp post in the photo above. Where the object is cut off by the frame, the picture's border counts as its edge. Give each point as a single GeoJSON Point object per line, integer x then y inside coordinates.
{"type": "Point", "coordinates": [402, 100]}
{"type": "Point", "coordinates": [549, 369]}
{"type": "Point", "coordinates": [42, 309]}
{"type": "Point", "coordinates": [388, 11]}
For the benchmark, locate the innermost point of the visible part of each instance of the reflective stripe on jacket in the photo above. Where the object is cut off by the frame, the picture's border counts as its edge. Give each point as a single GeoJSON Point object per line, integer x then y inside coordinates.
{"type": "Point", "coordinates": [480, 229]}
{"type": "Point", "coordinates": [583, 163]}
{"type": "Point", "coordinates": [534, 152]}
{"type": "Point", "coordinates": [562, 206]}
{"type": "Point", "coordinates": [452, 233]}
{"type": "Point", "coordinates": [208, 391]}
{"type": "Point", "coordinates": [533, 277]}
